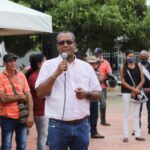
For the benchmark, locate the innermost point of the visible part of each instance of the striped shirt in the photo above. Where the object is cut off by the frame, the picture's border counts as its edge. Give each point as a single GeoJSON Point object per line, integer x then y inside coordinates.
{"type": "Point", "coordinates": [20, 83]}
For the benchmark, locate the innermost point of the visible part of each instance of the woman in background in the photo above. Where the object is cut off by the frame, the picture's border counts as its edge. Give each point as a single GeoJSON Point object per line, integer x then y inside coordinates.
{"type": "Point", "coordinates": [41, 121]}
{"type": "Point", "coordinates": [129, 91]}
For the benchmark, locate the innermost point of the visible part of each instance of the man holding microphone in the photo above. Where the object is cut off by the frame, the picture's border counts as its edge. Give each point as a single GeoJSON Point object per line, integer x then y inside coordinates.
{"type": "Point", "coordinates": [69, 86]}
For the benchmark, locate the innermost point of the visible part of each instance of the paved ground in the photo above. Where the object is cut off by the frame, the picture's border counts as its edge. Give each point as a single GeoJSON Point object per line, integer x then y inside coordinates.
{"type": "Point", "coordinates": [113, 134]}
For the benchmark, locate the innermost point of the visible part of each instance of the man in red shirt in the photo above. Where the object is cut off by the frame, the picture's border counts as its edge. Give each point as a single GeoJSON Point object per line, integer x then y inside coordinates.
{"type": "Point", "coordinates": [104, 69]}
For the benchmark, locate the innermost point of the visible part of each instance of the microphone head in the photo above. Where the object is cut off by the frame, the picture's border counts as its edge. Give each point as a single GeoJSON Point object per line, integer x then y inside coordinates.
{"type": "Point", "coordinates": [64, 56]}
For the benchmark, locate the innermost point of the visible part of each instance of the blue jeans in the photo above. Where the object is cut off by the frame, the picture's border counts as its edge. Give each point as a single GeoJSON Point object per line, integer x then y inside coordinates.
{"type": "Point", "coordinates": [41, 123]}
{"type": "Point", "coordinates": [62, 136]}
{"type": "Point", "coordinates": [8, 126]}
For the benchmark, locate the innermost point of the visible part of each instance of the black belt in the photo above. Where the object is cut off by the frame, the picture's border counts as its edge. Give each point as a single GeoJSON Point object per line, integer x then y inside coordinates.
{"type": "Point", "coordinates": [72, 122]}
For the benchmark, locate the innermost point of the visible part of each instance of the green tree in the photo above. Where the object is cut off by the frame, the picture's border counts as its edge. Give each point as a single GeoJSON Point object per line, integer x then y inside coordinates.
{"type": "Point", "coordinates": [134, 13]}
{"type": "Point", "coordinates": [93, 23]}
{"type": "Point", "coordinates": [98, 23]}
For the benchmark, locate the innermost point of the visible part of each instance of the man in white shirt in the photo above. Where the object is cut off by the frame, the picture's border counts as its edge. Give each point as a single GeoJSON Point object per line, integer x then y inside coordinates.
{"type": "Point", "coordinates": [69, 85]}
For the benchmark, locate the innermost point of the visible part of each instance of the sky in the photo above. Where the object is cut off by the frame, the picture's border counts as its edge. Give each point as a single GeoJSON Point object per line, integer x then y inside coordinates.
{"type": "Point", "coordinates": [148, 2]}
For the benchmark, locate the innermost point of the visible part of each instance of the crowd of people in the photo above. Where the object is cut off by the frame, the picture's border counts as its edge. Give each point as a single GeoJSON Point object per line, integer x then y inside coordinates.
{"type": "Point", "coordinates": [65, 96]}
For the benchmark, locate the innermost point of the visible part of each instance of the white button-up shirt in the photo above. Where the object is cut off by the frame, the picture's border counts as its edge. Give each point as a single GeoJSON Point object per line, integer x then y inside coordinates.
{"type": "Point", "coordinates": [62, 103]}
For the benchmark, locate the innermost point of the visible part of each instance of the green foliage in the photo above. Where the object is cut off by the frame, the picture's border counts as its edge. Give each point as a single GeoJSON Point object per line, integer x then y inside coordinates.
{"type": "Point", "coordinates": [20, 45]}
{"type": "Point", "coordinates": [96, 23]}
{"type": "Point", "coordinates": [91, 21]}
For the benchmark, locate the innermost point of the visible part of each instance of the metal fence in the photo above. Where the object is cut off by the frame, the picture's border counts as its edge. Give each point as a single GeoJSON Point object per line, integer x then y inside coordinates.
{"type": "Point", "coordinates": [116, 59]}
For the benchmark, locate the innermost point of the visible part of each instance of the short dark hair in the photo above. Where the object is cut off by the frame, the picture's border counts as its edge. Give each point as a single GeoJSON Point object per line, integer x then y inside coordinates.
{"type": "Point", "coordinates": [36, 58]}
{"type": "Point", "coordinates": [64, 32]}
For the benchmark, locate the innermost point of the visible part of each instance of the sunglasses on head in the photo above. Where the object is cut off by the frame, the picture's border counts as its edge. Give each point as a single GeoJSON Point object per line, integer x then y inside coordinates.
{"type": "Point", "coordinates": [68, 42]}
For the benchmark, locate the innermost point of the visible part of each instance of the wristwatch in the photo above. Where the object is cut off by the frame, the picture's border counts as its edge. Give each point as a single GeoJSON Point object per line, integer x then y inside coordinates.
{"type": "Point", "coordinates": [88, 95]}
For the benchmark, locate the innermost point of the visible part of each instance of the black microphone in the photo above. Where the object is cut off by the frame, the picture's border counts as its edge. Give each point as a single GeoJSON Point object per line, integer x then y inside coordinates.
{"type": "Point", "coordinates": [64, 56]}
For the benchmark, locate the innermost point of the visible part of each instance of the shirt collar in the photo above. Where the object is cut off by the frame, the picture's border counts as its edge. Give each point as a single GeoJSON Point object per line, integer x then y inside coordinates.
{"type": "Point", "coordinates": [74, 61]}
{"type": "Point", "coordinates": [9, 75]}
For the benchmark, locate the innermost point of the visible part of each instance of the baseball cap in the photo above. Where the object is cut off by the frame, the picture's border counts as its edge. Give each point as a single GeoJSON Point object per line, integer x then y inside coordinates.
{"type": "Point", "coordinates": [98, 51]}
{"type": "Point", "coordinates": [9, 57]}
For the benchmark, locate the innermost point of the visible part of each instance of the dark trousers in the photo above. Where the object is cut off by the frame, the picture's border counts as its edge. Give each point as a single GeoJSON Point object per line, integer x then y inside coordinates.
{"type": "Point", "coordinates": [103, 106]}
{"type": "Point", "coordinates": [148, 112]}
{"type": "Point", "coordinates": [93, 116]}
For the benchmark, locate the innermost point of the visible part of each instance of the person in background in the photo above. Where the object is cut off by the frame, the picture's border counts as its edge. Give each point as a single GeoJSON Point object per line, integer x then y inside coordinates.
{"type": "Point", "coordinates": [13, 89]}
{"type": "Point", "coordinates": [93, 61]}
{"type": "Point", "coordinates": [104, 70]}
{"type": "Point", "coordinates": [129, 92]}
{"type": "Point", "coordinates": [146, 70]}
{"type": "Point", "coordinates": [29, 69]}
{"type": "Point", "coordinates": [23, 68]}
{"type": "Point", "coordinates": [81, 55]}
{"type": "Point", "coordinates": [41, 121]}
{"type": "Point", "coordinates": [68, 84]}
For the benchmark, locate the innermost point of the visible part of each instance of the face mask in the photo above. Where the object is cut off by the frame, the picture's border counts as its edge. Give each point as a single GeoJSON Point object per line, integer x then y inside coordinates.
{"type": "Point", "coordinates": [130, 60]}
{"type": "Point", "coordinates": [143, 61]}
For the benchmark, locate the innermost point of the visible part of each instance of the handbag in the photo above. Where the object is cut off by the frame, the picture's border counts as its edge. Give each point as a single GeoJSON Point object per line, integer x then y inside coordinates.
{"type": "Point", "coordinates": [23, 107]}
{"type": "Point", "coordinates": [141, 97]}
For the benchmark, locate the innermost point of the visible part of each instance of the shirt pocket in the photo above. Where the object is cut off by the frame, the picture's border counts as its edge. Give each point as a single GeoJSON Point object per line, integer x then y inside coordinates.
{"type": "Point", "coordinates": [83, 83]}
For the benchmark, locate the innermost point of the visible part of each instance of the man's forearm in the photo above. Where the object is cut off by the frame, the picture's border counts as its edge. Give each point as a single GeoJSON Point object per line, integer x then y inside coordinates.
{"type": "Point", "coordinates": [45, 88]}
{"type": "Point", "coordinates": [9, 99]}
{"type": "Point", "coordinates": [30, 104]}
{"type": "Point", "coordinates": [94, 95]}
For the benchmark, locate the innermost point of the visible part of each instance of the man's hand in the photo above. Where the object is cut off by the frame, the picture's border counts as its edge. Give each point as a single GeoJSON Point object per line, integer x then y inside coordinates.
{"type": "Point", "coordinates": [22, 98]}
{"type": "Point", "coordinates": [12, 98]}
{"type": "Point", "coordinates": [30, 121]}
{"type": "Point", "coordinates": [80, 93]}
{"type": "Point", "coordinates": [61, 67]}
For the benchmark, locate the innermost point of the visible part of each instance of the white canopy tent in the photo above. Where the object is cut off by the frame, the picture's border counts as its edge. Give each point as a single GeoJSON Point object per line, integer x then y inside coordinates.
{"type": "Point", "coordinates": [16, 19]}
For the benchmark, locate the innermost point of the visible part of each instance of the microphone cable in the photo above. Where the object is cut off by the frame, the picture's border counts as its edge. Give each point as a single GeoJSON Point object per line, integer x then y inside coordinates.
{"type": "Point", "coordinates": [65, 93]}
{"type": "Point", "coordinates": [64, 57]}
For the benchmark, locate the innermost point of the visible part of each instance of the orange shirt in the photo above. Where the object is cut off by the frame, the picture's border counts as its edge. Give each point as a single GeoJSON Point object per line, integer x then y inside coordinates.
{"type": "Point", "coordinates": [20, 83]}
{"type": "Point", "coordinates": [104, 69]}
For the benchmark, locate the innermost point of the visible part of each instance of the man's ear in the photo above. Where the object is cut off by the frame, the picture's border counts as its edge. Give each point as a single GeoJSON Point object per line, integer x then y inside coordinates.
{"type": "Point", "coordinates": [58, 49]}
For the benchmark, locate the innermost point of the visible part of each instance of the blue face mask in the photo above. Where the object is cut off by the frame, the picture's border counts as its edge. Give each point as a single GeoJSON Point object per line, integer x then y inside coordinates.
{"type": "Point", "coordinates": [130, 60]}
{"type": "Point", "coordinates": [144, 61]}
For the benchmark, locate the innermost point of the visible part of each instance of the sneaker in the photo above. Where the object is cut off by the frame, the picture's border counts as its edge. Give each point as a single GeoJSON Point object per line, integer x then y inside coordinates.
{"type": "Point", "coordinates": [97, 135]}
{"type": "Point", "coordinates": [140, 139]}
{"type": "Point", "coordinates": [125, 140]}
